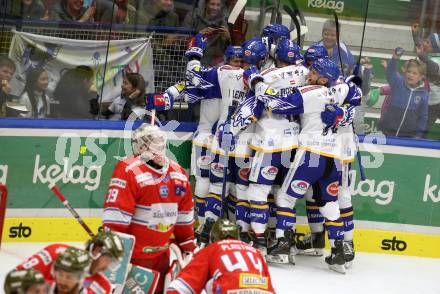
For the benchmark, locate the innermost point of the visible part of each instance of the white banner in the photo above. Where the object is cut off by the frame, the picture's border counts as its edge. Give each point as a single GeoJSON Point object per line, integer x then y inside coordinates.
{"type": "Point", "coordinates": [58, 54]}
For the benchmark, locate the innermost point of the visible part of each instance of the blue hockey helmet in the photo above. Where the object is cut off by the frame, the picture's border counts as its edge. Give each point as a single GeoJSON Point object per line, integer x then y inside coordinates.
{"type": "Point", "coordinates": [288, 51]}
{"type": "Point", "coordinates": [327, 69]}
{"type": "Point", "coordinates": [233, 51]}
{"type": "Point", "coordinates": [276, 31]}
{"type": "Point", "coordinates": [254, 51]}
{"type": "Point", "coordinates": [315, 52]}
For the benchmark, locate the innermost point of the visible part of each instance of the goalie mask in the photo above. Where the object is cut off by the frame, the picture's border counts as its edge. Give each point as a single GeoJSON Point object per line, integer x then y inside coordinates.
{"type": "Point", "coordinates": [20, 281]}
{"type": "Point", "coordinates": [150, 143]}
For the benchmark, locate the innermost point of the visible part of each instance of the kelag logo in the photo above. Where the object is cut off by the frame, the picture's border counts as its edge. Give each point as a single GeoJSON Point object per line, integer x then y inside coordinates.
{"type": "Point", "coordinates": [394, 244]}
{"type": "Point", "coordinates": [20, 231]}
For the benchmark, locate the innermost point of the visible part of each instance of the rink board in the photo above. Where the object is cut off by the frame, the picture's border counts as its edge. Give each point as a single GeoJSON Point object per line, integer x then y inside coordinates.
{"type": "Point", "coordinates": [366, 240]}
{"type": "Point", "coordinates": [400, 198]}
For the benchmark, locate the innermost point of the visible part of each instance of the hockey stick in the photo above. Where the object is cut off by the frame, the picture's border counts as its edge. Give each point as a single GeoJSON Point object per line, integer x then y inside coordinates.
{"type": "Point", "coordinates": [356, 71]}
{"type": "Point", "coordinates": [301, 26]}
{"type": "Point", "coordinates": [53, 187]}
{"type": "Point", "coordinates": [235, 12]}
{"type": "Point", "coordinates": [338, 41]}
{"type": "Point", "coordinates": [3, 204]}
{"type": "Point", "coordinates": [153, 117]}
{"type": "Point", "coordinates": [292, 15]}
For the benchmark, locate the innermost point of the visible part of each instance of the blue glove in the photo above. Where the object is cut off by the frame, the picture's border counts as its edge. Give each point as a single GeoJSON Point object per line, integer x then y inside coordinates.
{"type": "Point", "coordinates": [225, 137]}
{"type": "Point", "coordinates": [251, 76]}
{"type": "Point", "coordinates": [196, 46]}
{"type": "Point", "coordinates": [332, 115]}
{"type": "Point", "coordinates": [157, 101]}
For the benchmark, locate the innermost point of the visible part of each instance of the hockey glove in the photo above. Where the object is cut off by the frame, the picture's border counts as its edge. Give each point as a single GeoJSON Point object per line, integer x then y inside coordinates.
{"type": "Point", "coordinates": [251, 77]}
{"type": "Point", "coordinates": [354, 94]}
{"type": "Point", "coordinates": [160, 102]}
{"type": "Point", "coordinates": [332, 115]}
{"type": "Point", "coordinates": [226, 138]}
{"type": "Point", "coordinates": [176, 91]}
{"type": "Point", "coordinates": [196, 46]}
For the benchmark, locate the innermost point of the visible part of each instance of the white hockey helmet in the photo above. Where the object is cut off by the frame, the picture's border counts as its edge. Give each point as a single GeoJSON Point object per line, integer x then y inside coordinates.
{"type": "Point", "coordinates": [149, 142]}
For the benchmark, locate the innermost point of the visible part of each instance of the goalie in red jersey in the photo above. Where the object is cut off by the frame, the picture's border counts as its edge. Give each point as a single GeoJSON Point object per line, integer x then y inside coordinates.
{"type": "Point", "coordinates": [228, 265]}
{"type": "Point", "coordinates": [150, 197]}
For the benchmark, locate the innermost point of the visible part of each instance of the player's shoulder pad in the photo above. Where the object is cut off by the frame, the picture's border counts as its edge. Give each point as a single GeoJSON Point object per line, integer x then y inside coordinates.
{"type": "Point", "coordinates": [129, 163]}
{"type": "Point", "coordinates": [227, 67]}
{"type": "Point", "coordinates": [175, 167]}
{"type": "Point", "coordinates": [306, 89]}
{"type": "Point", "coordinates": [268, 70]}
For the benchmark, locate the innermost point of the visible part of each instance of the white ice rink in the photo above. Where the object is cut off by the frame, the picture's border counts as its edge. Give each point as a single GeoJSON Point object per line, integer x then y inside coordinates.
{"type": "Point", "coordinates": [370, 274]}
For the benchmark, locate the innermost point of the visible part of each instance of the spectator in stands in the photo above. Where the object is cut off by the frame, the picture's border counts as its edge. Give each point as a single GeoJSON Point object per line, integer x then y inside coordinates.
{"type": "Point", "coordinates": [73, 93]}
{"type": "Point", "coordinates": [7, 71]}
{"type": "Point", "coordinates": [329, 40]}
{"type": "Point", "coordinates": [27, 9]}
{"type": "Point", "coordinates": [128, 13]}
{"type": "Point", "coordinates": [425, 49]}
{"type": "Point", "coordinates": [366, 73]}
{"type": "Point", "coordinates": [210, 19]}
{"type": "Point", "coordinates": [407, 113]}
{"type": "Point", "coordinates": [34, 95]}
{"type": "Point", "coordinates": [132, 90]}
{"type": "Point", "coordinates": [73, 10]}
{"type": "Point", "coordinates": [159, 13]}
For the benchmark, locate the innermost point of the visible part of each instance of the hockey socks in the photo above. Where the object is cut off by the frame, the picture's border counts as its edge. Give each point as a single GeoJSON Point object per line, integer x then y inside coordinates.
{"type": "Point", "coordinates": [314, 217]}
{"type": "Point", "coordinates": [286, 220]}
{"type": "Point", "coordinates": [214, 206]}
{"type": "Point", "coordinates": [200, 209]}
{"type": "Point", "coordinates": [242, 215]}
{"type": "Point", "coordinates": [259, 216]}
{"type": "Point", "coordinates": [232, 206]}
{"type": "Point", "coordinates": [347, 218]}
{"type": "Point", "coordinates": [335, 230]}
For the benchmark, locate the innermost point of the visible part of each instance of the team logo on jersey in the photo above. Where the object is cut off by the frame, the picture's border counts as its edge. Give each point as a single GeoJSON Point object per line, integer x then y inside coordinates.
{"type": "Point", "coordinates": [243, 173]}
{"type": "Point", "coordinates": [299, 187]}
{"type": "Point", "coordinates": [247, 52]}
{"type": "Point", "coordinates": [217, 169]}
{"type": "Point", "coordinates": [204, 161]}
{"type": "Point", "coordinates": [333, 188]}
{"type": "Point", "coordinates": [179, 190]}
{"type": "Point", "coordinates": [269, 172]}
{"type": "Point", "coordinates": [417, 99]}
{"type": "Point", "coordinates": [163, 191]}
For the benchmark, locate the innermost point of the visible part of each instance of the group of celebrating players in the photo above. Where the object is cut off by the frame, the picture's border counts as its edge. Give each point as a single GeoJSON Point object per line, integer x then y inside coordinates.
{"type": "Point", "coordinates": [275, 126]}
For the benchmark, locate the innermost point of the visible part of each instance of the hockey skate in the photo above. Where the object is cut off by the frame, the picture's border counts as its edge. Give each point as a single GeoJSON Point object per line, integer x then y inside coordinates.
{"type": "Point", "coordinates": [348, 247]}
{"type": "Point", "coordinates": [336, 260]}
{"type": "Point", "coordinates": [311, 244]}
{"type": "Point", "coordinates": [259, 242]}
{"type": "Point", "coordinates": [281, 251]}
{"type": "Point", "coordinates": [203, 231]}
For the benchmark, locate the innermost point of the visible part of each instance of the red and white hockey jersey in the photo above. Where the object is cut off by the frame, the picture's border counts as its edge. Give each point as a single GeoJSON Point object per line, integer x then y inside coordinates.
{"type": "Point", "coordinates": [150, 204]}
{"type": "Point", "coordinates": [43, 262]}
{"type": "Point", "coordinates": [227, 266]}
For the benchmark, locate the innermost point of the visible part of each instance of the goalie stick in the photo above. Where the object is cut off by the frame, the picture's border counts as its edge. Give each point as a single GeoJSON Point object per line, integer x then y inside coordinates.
{"type": "Point", "coordinates": [235, 12]}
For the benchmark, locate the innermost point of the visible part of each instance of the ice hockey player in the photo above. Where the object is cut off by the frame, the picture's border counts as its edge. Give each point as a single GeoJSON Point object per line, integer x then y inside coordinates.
{"type": "Point", "coordinates": [227, 265]}
{"type": "Point", "coordinates": [270, 36]}
{"type": "Point", "coordinates": [318, 159]}
{"type": "Point", "coordinates": [150, 197]}
{"type": "Point", "coordinates": [105, 250]}
{"type": "Point", "coordinates": [224, 83]}
{"type": "Point", "coordinates": [313, 53]}
{"type": "Point", "coordinates": [28, 281]}
{"type": "Point", "coordinates": [273, 146]}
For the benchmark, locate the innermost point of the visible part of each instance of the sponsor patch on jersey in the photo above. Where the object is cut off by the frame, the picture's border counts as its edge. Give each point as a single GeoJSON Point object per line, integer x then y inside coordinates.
{"type": "Point", "coordinates": [248, 280]}
{"type": "Point", "coordinates": [309, 88]}
{"type": "Point", "coordinates": [178, 176]}
{"type": "Point", "coordinates": [333, 188]}
{"type": "Point", "coordinates": [299, 187]}
{"type": "Point", "coordinates": [243, 173]}
{"type": "Point", "coordinates": [217, 169]}
{"type": "Point", "coordinates": [204, 161]}
{"type": "Point", "coordinates": [163, 191]}
{"type": "Point", "coordinates": [116, 182]}
{"type": "Point", "coordinates": [45, 257]}
{"type": "Point", "coordinates": [179, 190]}
{"type": "Point", "coordinates": [145, 179]}
{"type": "Point", "coordinates": [269, 172]}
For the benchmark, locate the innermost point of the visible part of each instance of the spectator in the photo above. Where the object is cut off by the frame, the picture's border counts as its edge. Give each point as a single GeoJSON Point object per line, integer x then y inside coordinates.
{"type": "Point", "coordinates": [425, 49]}
{"type": "Point", "coordinates": [73, 93]}
{"type": "Point", "coordinates": [34, 95]}
{"type": "Point", "coordinates": [366, 72]}
{"type": "Point", "coordinates": [210, 19]}
{"type": "Point", "coordinates": [407, 113]}
{"type": "Point", "coordinates": [7, 71]}
{"type": "Point", "coordinates": [132, 89]}
{"type": "Point", "coordinates": [128, 14]}
{"type": "Point", "coordinates": [159, 13]}
{"type": "Point", "coordinates": [73, 10]}
{"type": "Point", "coordinates": [329, 40]}
{"type": "Point", "coordinates": [133, 92]}
{"type": "Point", "coordinates": [27, 9]}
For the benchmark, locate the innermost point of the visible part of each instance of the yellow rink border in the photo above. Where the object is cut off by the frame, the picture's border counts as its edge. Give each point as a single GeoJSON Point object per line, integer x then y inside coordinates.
{"type": "Point", "coordinates": [366, 240]}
